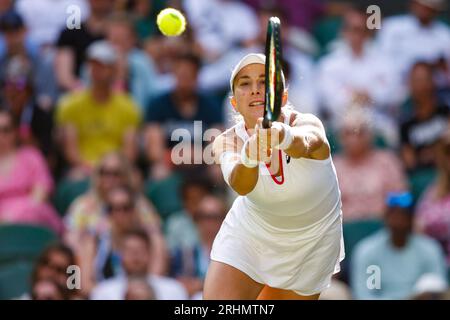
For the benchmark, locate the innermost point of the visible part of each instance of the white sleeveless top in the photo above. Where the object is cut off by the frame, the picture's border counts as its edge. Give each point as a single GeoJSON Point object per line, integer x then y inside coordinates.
{"type": "Point", "coordinates": [308, 193]}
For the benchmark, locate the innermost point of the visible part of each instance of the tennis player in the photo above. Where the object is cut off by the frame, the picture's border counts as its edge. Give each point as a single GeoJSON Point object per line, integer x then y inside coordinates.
{"type": "Point", "coordinates": [282, 238]}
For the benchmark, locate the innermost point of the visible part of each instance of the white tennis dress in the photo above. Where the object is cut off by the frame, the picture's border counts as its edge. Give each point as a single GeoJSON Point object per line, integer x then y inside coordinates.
{"type": "Point", "coordinates": [286, 234]}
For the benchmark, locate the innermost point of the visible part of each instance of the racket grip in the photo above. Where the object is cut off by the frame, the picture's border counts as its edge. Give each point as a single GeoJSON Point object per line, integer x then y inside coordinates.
{"type": "Point", "coordinates": [266, 123]}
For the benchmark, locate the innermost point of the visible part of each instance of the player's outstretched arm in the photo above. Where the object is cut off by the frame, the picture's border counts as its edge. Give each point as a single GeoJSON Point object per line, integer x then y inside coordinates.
{"type": "Point", "coordinates": [239, 170]}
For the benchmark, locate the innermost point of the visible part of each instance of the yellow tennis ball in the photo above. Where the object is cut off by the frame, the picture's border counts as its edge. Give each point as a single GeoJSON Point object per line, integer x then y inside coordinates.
{"type": "Point", "coordinates": [171, 22]}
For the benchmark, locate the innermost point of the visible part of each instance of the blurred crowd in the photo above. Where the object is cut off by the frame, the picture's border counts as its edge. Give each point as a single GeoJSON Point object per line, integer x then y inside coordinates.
{"type": "Point", "coordinates": [88, 115]}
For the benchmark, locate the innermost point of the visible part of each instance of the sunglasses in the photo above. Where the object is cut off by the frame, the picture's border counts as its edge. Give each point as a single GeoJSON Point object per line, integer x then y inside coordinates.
{"type": "Point", "coordinates": [110, 172]}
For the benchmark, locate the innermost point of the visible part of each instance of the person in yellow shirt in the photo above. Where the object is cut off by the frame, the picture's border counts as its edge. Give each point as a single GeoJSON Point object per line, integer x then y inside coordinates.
{"type": "Point", "coordinates": [97, 120]}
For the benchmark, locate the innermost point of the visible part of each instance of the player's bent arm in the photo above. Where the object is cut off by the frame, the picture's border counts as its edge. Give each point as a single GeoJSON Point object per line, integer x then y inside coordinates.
{"type": "Point", "coordinates": [239, 177]}
{"type": "Point", "coordinates": [308, 139]}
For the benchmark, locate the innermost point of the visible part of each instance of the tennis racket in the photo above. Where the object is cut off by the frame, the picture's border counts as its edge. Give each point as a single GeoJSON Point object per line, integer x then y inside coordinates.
{"type": "Point", "coordinates": [274, 82]}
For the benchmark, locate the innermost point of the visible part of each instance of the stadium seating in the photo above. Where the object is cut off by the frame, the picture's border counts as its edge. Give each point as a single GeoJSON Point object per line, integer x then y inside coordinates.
{"type": "Point", "coordinates": [66, 192]}
{"type": "Point", "coordinates": [165, 195]}
{"type": "Point", "coordinates": [23, 242]}
{"type": "Point", "coordinates": [358, 230]}
{"type": "Point", "coordinates": [354, 232]}
{"type": "Point", "coordinates": [15, 279]}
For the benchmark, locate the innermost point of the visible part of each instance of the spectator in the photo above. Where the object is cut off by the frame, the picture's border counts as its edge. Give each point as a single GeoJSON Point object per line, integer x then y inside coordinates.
{"type": "Point", "coordinates": [311, 10]}
{"type": "Point", "coordinates": [189, 265]}
{"type": "Point", "coordinates": [146, 12]}
{"type": "Point", "coordinates": [214, 25]}
{"type": "Point", "coordinates": [6, 5]}
{"type": "Point", "coordinates": [416, 36]}
{"type": "Point", "coordinates": [178, 109]}
{"type": "Point", "coordinates": [102, 251]}
{"type": "Point", "coordinates": [25, 181]}
{"type": "Point", "coordinates": [427, 121]}
{"type": "Point", "coordinates": [135, 261]}
{"type": "Point", "coordinates": [180, 226]}
{"type": "Point", "coordinates": [87, 214]}
{"type": "Point", "coordinates": [402, 256]}
{"type": "Point", "coordinates": [356, 74]}
{"type": "Point", "coordinates": [139, 289]}
{"type": "Point", "coordinates": [365, 174]}
{"type": "Point", "coordinates": [46, 18]}
{"type": "Point", "coordinates": [52, 265]}
{"type": "Point", "coordinates": [73, 43]}
{"type": "Point", "coordinates": [15, 43]}
{"type": "Point", "coordinates": [97, 120]}
{"type": "Point", "coordinates": [302, 89]}
{"type": "Point", "coordinates": [433, 209]}
{"type": "Point", "coordinates": [430, 287]}
{"type": "Point", "coordinates": [18, 93]}
{"type": "Point", "coordinates": [47, 290]}
{"type": "Point", "coordinates": [136, 73]}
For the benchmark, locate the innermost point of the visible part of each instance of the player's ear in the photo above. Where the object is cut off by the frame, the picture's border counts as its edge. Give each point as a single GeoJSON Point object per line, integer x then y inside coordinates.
{"type": "Point", "coordinates": [233, 102]}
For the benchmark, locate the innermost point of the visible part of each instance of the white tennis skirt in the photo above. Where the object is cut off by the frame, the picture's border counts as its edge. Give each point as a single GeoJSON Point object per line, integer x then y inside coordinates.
{"type": "Point", "coordinates": [302, 260]}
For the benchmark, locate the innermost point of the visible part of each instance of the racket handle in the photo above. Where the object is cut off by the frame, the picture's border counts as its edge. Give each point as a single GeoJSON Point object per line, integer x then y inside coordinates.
{"type": "Point", "coordinates": [266, 123]}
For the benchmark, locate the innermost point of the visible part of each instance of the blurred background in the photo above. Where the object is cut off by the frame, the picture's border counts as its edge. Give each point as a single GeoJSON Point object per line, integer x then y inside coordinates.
{"type": "Point", "coordinates": [90, 93]}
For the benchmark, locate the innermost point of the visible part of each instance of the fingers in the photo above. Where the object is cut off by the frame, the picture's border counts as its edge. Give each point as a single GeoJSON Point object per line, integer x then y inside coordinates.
{"type": "Point", "coordinates": [259, 122]}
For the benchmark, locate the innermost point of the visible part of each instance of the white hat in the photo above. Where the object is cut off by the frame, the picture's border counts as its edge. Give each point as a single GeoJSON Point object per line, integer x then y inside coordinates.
{"type": "Point", "coordinates": [430, 283]}
{"type": "Point", "coordinates": [102, 51]}
{"type": "Point", "coordinates": [245, 61]}
{"type": "Point", "coordinates": [433, 4]}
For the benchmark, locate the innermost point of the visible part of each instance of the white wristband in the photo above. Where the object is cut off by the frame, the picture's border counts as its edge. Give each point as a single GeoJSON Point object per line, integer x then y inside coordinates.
{"type": "Point", "coordinates": [288, 138]}
{"type": "Point", "coordinates": [245, 159]}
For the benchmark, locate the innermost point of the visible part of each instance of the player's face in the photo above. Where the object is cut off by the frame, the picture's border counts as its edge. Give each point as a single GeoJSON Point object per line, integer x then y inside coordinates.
{"type": "Point", "coordinates": [249, 89]}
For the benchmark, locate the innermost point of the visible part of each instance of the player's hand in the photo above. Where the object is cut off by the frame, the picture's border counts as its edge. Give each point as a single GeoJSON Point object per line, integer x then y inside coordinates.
{"type": "Point", "coordinates": [269, 137]}
{"type": "Point", "coordinates": [257, 151]}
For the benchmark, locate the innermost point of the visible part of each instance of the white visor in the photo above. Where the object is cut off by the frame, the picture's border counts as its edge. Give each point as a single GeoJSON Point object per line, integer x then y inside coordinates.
{"type": "Point", "coordinates": [250, 59]}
